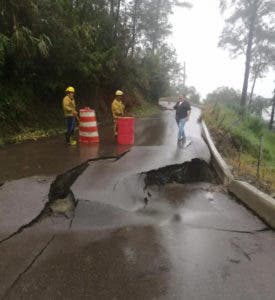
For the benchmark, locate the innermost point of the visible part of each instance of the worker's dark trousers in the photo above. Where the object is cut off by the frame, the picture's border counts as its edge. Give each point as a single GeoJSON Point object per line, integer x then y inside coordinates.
{"type": "Point", "coordinates": [70, 121]}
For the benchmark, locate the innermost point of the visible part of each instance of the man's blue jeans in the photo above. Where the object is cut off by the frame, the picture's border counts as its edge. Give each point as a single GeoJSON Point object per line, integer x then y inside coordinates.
{"type": "Point", "coordinates": [181, 124]}
{"type": "Point", "coordinates": [70, 127]}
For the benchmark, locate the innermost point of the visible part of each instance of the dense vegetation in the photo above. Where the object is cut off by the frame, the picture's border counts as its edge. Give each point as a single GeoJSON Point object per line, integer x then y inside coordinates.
{"type": "Point", "coordinates": [238, 138]}
{"type": "Point", "coordinates": [97, 46]}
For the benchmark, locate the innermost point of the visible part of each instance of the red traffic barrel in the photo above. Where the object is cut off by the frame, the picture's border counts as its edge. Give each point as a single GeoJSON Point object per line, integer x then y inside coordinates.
{"type": "Point", "coordinates": [125, 131]}
{"type": "Point", "coordinates": [88, 132]}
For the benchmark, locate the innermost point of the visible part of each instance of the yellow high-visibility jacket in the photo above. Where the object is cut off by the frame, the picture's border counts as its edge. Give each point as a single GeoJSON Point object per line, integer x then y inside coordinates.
{"type": "Point", "coordinates": [118, 109]}
{"type": "Point", "coordinates": [69, 107]}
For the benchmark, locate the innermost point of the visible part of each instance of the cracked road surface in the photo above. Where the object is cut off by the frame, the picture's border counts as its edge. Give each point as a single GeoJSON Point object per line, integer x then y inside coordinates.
{"type": "Point", "coordinates": [152, 224]}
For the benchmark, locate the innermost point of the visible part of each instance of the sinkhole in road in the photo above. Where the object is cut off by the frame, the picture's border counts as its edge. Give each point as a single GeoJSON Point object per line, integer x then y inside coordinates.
{"type": "Point", "coordinates": [131, 192]}
{"type": "Point", "coordinates": [196, 170]}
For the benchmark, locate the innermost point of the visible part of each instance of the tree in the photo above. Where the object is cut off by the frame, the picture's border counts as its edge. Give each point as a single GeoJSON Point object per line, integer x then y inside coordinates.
{"type": "Point", "coordinates": [272, 113]}
{"type": "Point", "coordinates": [248, 26]}
{"type": "Point", "coordinates": [135, 9]}
{"type": "Point", "coordinates": [155, 26]}
{"type": "Point", "coordinates": [192, 94]}
{"type": "Point", "coordinates": [224, 95]}
{"type": "Point", "coordinates": [97, 46]}
{"type": "Point", "coordinates": [20, 41]}
{"type": "Point", "coordinates": [258, 105]}
{"type": "Point", "coordinates": [184, 4]}
{"type": "Point", "coordinates": [263, 56]}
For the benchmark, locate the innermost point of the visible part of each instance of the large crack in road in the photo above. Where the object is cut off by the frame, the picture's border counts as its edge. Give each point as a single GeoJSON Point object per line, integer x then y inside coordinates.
{"type": "Point", "coordinates": [61, 199]}
{"type": "Point", "coordinates": [194, 171]}
{"type": "Point", "coordinates": [60, 190]}
{"type": "Point", "coordinates": [28, 267]}
{"type": "Point", "coordinates": [134, 217]}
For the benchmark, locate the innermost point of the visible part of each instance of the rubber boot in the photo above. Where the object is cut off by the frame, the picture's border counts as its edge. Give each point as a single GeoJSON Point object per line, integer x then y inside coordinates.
{"type": "Point", "coordinates": [72, 142]}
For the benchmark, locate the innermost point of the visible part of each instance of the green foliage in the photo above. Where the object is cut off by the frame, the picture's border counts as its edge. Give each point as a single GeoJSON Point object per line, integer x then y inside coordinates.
{"type": "Point", "coordinates": [190, 92]}
{"type": "Point", "coordinates": [258, 105]}
{"type": "Point", "coordinates": [13, 105]}
{"type": "Point", "coordinates": [3, 45]}
{"type": "Point", "coordinates": [245, 133]}
{"type": "Point", "coordinates": [21, 117]}
{"type": "Point", "coordinates": [145, 109]}
{"type": "Point", "coordinates": [97, 46]}
{"type": "Point", "coordinates": [255, 124]}
{"type": "Point", "coordinates": [224, 95]}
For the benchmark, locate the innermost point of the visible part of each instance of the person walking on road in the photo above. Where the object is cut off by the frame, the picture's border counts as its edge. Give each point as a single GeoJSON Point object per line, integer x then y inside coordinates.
{"type": "Point", "coordinates": [118, 108]}
{"type": "Point", "coordinates": [183, 110]}
{"type": "Point", "coordinates": [70, 113]}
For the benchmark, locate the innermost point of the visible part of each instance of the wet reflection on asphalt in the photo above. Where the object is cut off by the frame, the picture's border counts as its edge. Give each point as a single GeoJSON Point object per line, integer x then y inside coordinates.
{"type": "Point", "coordinates": [126, 240]}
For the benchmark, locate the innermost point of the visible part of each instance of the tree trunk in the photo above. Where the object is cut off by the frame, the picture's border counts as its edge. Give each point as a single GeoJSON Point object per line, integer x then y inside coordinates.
{"type": "Point", "coordinates": [252, 90]}
{"type": "Point", "coordinates": [112, 5]}
{"type": "Point", "coordinates": [134, 27]}
{"type": "Point", "coordinates": [118, 11]}
{"type": "Point", "coordinates": [114, 13]}
{"type": "Point", "coordinates": [272, 113]}
{"type": "Point", "coordinates": [116, 18]}
{"type": "Point", "coordinates": [248, 55]}
{"type": "Point", "coordinates": [156, 35]}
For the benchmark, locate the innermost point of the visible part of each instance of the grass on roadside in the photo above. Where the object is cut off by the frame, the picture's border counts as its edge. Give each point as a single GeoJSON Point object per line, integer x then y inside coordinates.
{"type": "Point", "coordinates": [32, 134]}
{"type": "Point", "coordinates": [35, 134]}
{"type": "Point", "coordinates": [40, 124]}
{"type": "Point", "coordinates": [37, 124]}
{"type": "Point", "coordinates": [238, 141]}
{"type": "Point", "coordinates": [145, 109]}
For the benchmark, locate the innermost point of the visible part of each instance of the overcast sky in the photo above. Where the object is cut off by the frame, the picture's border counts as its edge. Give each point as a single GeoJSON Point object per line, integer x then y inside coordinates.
{"type": "Point", "coordinates": [195, 37]}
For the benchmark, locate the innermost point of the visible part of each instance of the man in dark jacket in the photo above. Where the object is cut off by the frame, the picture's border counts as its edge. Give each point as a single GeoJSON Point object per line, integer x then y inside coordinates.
{"type": "Point", "coordinates": [183, 110]}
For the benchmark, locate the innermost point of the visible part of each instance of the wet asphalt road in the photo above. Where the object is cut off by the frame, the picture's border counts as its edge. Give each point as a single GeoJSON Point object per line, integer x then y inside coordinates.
{"type": "Point", "coordinates": [190, 241]}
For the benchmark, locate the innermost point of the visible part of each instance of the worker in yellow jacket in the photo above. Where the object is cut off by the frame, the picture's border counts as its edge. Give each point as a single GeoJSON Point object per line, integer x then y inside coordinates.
{"type": "Point", "coordinates": [118, 108]}
{"type": "Point", "coordinates": [70, 113]}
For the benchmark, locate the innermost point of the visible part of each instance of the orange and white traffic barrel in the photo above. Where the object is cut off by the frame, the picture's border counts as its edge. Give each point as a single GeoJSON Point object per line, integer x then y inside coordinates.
{"type": "Point", "coordinates": [88, 132]}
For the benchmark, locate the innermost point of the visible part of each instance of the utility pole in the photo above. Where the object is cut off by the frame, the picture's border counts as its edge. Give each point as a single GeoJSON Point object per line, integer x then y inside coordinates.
{"type": "Point", "coordinates": [184, 74]}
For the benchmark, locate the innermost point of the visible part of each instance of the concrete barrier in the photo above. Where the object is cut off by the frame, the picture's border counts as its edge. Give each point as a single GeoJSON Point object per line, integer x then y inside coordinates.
{"type": "Point", "coordinates": [218, 162]}
{"type": "Point", "coordinates": [261, 203]}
